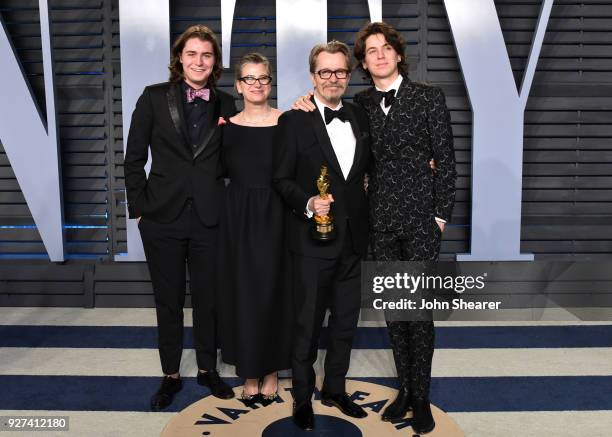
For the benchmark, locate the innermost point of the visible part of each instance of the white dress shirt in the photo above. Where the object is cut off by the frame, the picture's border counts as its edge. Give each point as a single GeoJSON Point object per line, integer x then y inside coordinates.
{"type": "Point", "coordinates": [394, 86]}
{"type": "Point", "coordinates": [342, 140]}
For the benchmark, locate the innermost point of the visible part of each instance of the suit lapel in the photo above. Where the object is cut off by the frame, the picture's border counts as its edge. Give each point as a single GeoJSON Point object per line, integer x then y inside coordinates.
{"type": "Point", "coordinates": [175, 106]}
{"type": "Point", "coordinates": [321, 132]}
{"type": "Point", "coordinates": [374, 110]}
{"type": "Point", "coordinates": [403, 90]}
{"type": "Point", "coordinates": [400, 96]}
{"type": "Point", "coordinates": [358, 141]}
{"type": "Point", "coordinates": [211, 122]}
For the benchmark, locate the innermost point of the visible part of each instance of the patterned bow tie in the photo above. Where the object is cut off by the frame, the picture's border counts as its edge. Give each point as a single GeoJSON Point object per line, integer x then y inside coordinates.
{"type": "Point", "coordinates": [203, 93]}
{"type": "Point", "coordinates": [389, 97]}
{"type": "Point", "coordinates": [330, 114]}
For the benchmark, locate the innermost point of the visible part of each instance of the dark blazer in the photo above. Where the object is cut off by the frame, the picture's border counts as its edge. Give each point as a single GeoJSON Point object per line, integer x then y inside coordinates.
{"type": "Point", "coordinates": [303, 147]}
{"type": "Point", "coordinates": [405, 193]}
{"type": "Point", "coordinates": [178, 170]}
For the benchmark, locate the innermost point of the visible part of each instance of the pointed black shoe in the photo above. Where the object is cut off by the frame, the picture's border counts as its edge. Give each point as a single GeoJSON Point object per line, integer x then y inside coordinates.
{"type": "Point", "coordinates": [303, 416]}
{"type": "Point", "coordinates": [213, 381]}
{"type": "Point", "coordinates": [399, 407]}
{"type": "Point", "coordinates": [250, 400]}
{"type": "Point", "coordinates": [343, 403]}
{"type": "Point", "coordinates": [165, 394]}
{"type": "Point", "coordinates": [266, 400]}
{"type": "Point", "coordinates": [422, 419]}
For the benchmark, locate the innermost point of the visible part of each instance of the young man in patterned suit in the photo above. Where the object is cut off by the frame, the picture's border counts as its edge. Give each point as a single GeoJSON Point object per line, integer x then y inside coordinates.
{"type": "Point", "coordinates": [409, 124]}
{"type": "Point", "coordinates": [410, 202]}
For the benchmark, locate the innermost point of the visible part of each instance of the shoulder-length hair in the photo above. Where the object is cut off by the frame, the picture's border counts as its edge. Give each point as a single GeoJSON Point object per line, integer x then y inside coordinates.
{"type": "Point", "coordinates": [203, 33]}
{"type": "Point", "coordinates": [392, 36]}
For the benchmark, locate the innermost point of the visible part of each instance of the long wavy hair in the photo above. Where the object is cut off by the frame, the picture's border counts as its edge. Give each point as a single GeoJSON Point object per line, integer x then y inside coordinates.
{"type": "Point", "coordinates": [203, 33]}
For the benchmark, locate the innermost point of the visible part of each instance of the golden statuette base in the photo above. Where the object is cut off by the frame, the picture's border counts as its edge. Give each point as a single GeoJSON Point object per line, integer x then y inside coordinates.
{"type": "Point", "coordinates": [323, 231]}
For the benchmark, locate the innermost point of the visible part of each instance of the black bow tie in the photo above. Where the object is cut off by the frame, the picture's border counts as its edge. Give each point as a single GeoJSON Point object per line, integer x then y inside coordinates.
{"type": "Point", "coordinates": [389, 97]}
{"type": "Point", "coordinates": [330, 114]}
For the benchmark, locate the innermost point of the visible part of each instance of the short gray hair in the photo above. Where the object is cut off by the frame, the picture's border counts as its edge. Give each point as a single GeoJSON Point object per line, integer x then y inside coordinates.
{"type": "Point", "coordinates": [332, 46]}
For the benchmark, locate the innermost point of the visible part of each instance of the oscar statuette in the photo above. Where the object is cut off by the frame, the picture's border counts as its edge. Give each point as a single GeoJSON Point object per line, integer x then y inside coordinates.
{"type": "Point", "coordinates": [323, 229]}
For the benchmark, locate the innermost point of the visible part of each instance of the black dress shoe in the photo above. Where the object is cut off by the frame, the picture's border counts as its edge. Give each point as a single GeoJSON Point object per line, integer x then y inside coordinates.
{"type": "Point", "coordinates": [213, 381]}
{"type": "Point", "coordinates": [343, 403]}
{"type": "Point", "coordinates": [164, 395]}
{"type": "Point", "coordinates": [399, 407]}
{"type": "Point", "coordinates": [303, 416]}
{"type": "Point", "coordinates": [422, 419]}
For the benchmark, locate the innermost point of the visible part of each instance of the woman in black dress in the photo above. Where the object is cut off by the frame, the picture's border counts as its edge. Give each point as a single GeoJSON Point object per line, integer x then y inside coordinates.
{"type": "Point", "coordinates": [254, 289]}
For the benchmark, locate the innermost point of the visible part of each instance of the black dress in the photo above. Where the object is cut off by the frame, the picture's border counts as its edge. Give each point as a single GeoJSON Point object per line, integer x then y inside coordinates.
{"type": "Point", "coordinates": [254, 288]}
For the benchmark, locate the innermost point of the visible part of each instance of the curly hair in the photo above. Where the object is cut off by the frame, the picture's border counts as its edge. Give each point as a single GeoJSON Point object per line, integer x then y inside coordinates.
{"type": "Point", "coordinates": [392, 36]}
{"type": "Point", "coordinates": [203, 33]}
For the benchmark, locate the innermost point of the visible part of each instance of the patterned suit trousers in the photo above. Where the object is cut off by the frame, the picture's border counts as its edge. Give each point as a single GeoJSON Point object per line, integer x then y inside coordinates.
{"type": "Point", "coordinates": [412, 341]}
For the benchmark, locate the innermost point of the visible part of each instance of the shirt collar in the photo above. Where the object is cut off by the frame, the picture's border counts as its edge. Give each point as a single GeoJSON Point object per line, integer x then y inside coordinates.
{"type": "Point", "coordinates": [394, 86]}
{"type": "Point", "coordinates": [321, 106]}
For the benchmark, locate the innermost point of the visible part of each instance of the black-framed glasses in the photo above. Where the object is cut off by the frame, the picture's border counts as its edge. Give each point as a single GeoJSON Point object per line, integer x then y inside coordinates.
{"type": "Point", "coordinates": [327, 74]}
{"type": "Point", "coordinates": [250, 80]}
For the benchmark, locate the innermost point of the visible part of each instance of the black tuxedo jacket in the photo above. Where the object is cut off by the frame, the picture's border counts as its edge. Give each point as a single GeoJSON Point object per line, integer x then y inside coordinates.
{"type": "Point", "coordinates": [303, 147]}
{"type": "Point", "coordinates": [178, 169]}
{"type": "Point", "coordinates": [405, 193]}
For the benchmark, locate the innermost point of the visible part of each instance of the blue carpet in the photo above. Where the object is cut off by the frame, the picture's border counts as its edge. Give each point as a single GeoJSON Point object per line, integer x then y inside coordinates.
{"type": "Point", "coordinates": [476, 337]}
{"type": "Point", "coordinates": [103, 393]}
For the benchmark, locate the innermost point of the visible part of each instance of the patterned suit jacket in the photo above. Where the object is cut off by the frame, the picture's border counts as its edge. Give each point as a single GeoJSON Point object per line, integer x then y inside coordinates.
{"type": "Point", "coordinates": [405, 193]}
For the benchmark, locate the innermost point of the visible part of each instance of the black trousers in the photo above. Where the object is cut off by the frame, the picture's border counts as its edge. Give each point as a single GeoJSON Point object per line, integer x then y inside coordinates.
{"type": "Point", "coordinates": [412, 342]}
{"type": "Point", "coordinates": [320, 284]}
{"type": "Point", "coordinates": [170, 248]}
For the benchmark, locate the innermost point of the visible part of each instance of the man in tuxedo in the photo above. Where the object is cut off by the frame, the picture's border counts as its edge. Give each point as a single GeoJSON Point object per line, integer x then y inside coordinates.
{"type": "Point", "coordinates": [177, 206]}
{"type": "Point", "coordinates": [326, 274]}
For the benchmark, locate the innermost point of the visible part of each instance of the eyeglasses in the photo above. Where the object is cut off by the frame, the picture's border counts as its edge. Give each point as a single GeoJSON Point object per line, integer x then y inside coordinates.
{"type": "Point", "coordinates": [250, 80]}
{"type": "Point", "coordinates": [327, 74]}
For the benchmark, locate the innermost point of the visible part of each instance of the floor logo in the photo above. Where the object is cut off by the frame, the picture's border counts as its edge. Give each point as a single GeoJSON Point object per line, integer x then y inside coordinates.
{"type": "Point", "coordinates": [217, 418]}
